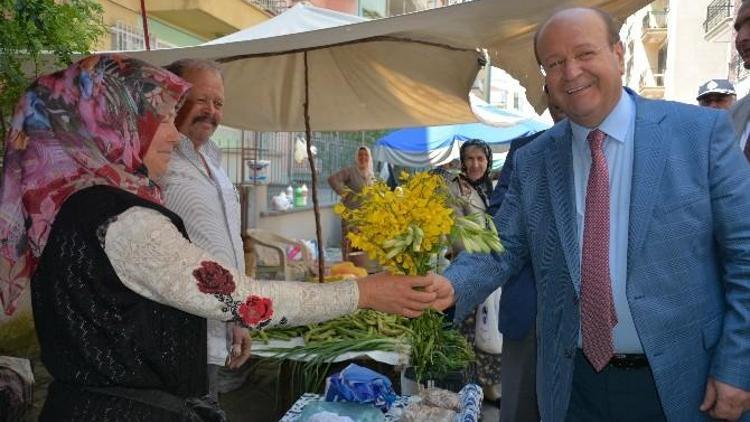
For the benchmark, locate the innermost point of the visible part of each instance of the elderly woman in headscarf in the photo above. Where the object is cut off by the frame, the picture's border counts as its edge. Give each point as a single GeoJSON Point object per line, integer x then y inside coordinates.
{"type": "Point", "coordinates": [120, 295]}
{"type": "Point", "coordinates": [472, 189]}
{"type": "Point", "coordinates": [347, 183]}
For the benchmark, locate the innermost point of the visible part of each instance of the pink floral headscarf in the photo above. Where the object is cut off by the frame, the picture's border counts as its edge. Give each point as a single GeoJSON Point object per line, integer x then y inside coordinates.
{"type": "Point", "coordinates": [89, 124]}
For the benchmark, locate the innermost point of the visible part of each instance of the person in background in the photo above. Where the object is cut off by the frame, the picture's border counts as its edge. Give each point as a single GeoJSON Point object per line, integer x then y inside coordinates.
{"type": "Point", "coordinates": [518, 309]}
{"type": "Point", "coordinates": [740, 112]}
{"type": "Point", "coordinates": [348, 182]}
{"type": "Point", "coordinates": [471, 189]}
{"type": "Point", "coordinates": [120, 296]}
{"type": "Point", "coordinates": [449, 170]}
{"type": "Point", "coordinates": [717, 93]}
{"type": "Point", "coordinates": [198, 189]}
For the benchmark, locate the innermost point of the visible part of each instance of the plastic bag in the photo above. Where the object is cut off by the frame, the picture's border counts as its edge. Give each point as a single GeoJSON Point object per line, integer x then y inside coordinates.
{"type": "Point", "coordinates": [488, 337]}
{"type": "Point", "coordinates": [418, 412]}
{"type": "Point", "coordinates": [281, 202]}
{"type": "Point", "coordinates": [360, 385]}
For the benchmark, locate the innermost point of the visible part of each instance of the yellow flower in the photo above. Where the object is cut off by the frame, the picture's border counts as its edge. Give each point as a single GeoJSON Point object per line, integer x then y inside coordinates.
{"type": "Point", "coordinates": [416, 217]}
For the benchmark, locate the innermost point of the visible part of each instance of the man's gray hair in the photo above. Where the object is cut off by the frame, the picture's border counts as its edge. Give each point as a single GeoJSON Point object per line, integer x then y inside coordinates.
{"type": "Point", "coordinates": [180, 67]}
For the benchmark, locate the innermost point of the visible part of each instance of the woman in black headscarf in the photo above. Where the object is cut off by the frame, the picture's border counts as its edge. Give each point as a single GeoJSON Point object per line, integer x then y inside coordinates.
{"type": "Point", "coordinates": [472, 189]}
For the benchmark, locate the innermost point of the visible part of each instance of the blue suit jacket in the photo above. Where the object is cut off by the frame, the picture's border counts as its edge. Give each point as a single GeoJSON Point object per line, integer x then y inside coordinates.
{"type": "Point", "coordinates": [688, 283]}
{"type": "Point", "coordinates": [518, 301]}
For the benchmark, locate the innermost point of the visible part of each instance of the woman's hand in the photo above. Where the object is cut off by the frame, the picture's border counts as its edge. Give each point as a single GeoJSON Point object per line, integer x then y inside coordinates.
{"type": "Point", "coordinates": [405, 295]}
{"type": "Point", "coordinates": [241, 342]}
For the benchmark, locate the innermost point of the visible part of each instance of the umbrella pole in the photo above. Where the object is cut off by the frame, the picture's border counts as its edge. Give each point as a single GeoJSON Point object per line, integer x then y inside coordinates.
{"type": "Point", "coordinates": [146, 35]}
{"type": "Point", "coordinates": [311, 160]}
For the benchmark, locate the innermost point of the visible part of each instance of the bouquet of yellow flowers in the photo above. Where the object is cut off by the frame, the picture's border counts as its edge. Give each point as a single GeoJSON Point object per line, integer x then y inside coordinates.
{"type": "Point", "coordinates": [401, 228]}
{"type": "Point", "coordinates": [405, 230]}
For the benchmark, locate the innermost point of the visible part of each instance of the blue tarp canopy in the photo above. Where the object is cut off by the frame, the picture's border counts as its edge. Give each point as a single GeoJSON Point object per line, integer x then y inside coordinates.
{"type": "Point", "coordinates": [437, 145]}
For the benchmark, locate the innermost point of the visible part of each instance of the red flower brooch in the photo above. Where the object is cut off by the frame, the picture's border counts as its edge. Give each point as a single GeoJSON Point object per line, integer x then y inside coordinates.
{"type": "Point", "coordinates": [255, 310]}
{"type": "Point", "coordinates": [213, 278]}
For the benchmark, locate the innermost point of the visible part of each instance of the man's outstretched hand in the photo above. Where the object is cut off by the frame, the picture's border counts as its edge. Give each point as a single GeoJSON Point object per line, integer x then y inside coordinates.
{"type": "Point", "coordinates": [444, 290]}
{"type": "Point", "coordinates": [405, 295]}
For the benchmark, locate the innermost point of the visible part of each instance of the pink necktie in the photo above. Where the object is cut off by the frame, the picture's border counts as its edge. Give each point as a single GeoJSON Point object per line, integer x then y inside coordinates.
{"type": "Point", "coordinates": [598, 315]}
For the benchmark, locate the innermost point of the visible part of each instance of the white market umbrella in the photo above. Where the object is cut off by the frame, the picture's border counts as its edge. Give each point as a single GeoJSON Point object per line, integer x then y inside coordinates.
{"type": "Point", "coordinates": [404, 71]}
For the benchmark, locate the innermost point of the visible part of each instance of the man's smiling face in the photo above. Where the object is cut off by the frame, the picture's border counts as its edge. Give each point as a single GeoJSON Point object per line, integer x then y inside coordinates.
{"type": "Point", "coordinates": [583, 68]}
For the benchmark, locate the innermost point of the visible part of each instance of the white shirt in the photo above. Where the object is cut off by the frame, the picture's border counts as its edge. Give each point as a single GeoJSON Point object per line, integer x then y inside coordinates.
{"type": "Point", "coordinates": [619, 126]}
{"type": "Point", "coordinates": [208, 204]}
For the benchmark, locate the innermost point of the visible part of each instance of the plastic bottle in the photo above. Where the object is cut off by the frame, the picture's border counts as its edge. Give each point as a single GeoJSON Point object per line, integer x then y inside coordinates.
{"type": "Point", "coordinates": [304, 195]}
{"type": "Point", "coordinates": [298, 197]}
{"type": "Point", "coordinates": [290, 193]}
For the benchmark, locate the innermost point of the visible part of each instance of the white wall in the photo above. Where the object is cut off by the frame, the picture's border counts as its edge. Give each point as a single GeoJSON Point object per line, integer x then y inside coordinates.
{"type": "Point", "coordinates": [294, 223]}
{"type": "Point", "coordinates": [691, 59]}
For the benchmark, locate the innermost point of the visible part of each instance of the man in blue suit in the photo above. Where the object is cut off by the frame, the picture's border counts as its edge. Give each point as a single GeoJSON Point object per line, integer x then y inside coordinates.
{"type": "Point", "coordinates": [634, 216]}
{"type": "Point", "coordinates": [518, 310]}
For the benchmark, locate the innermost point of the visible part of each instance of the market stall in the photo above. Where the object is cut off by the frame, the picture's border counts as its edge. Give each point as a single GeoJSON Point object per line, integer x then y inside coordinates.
{"type": "Point", "coordinates": [404, 71]}
{"type": "Point", "coordinates": [432, 146]}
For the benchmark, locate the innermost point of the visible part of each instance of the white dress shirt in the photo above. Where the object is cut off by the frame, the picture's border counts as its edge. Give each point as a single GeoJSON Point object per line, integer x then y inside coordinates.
{"type": "Point", "coordinates": [208, 204]}
{"type": "Point", "coordinates": [619, 126]}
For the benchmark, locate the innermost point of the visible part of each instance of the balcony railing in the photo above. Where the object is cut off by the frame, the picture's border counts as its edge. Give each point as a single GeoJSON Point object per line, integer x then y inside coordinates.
{"type": "Point", "coordinates": [655, 20]}
{"type": "Point", "coordinates": [276, 7]}
{"type": "Point", "coordinates": [651, 84]}
{"type": "Point", "coordinates": [716, 12]}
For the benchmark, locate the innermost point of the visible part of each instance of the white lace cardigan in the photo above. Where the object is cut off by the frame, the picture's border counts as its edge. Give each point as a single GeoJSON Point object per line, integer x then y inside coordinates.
{"type": "Point", "coordinates": [153, 259]}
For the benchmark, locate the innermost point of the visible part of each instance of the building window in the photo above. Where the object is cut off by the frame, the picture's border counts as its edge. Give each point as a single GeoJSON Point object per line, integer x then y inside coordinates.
{"type": "Point", "coordinates": [516, 101]}
{"type": "Point", "coordinates": [128, 37]}
{"type": "Point", "coordinates": [661, 64]}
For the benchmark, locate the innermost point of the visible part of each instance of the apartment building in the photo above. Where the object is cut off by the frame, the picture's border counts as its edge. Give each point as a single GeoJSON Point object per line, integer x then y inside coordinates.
{"type": "Point", "coordinates": [176, 23]}
{"type": "Point", "coordinates": [673, 46]}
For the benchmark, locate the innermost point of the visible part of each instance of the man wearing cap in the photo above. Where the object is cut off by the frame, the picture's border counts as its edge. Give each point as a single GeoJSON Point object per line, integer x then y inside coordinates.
{"type": "Point", "coordinates": [717, 93]}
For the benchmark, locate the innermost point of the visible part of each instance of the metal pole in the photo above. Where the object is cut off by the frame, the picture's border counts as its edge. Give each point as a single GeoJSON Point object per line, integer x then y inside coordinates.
{"type": "Point", "coordinates": [487, 79]}
{"type": "Point", "coordinates": [316, 208]}
{"type": "Point", "coordinates": [145, 25]}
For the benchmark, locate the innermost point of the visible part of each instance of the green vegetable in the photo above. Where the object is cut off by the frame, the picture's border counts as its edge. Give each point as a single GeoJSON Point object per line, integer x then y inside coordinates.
{"type": "Point", "coordinates": [360, 325]}
{"type": "Point", "coordinates": [319, 356]}
{"type": "Point", "coordinates": [477, 232]}
{"type": "Point", "coordinates": [436, 348]}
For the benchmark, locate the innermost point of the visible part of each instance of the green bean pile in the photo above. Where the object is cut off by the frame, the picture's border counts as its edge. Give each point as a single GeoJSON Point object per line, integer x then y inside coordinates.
{"type": "Point", "coordinates": [319, 356]}
{"type": "Point", "coordinates": [363, 324]}
{"type": "Point", "coordinates": [435, 348]}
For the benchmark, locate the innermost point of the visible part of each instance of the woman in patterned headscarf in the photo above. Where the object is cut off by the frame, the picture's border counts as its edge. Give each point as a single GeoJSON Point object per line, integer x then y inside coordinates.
{"type": "Point", "coordinates": [119, 294]}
